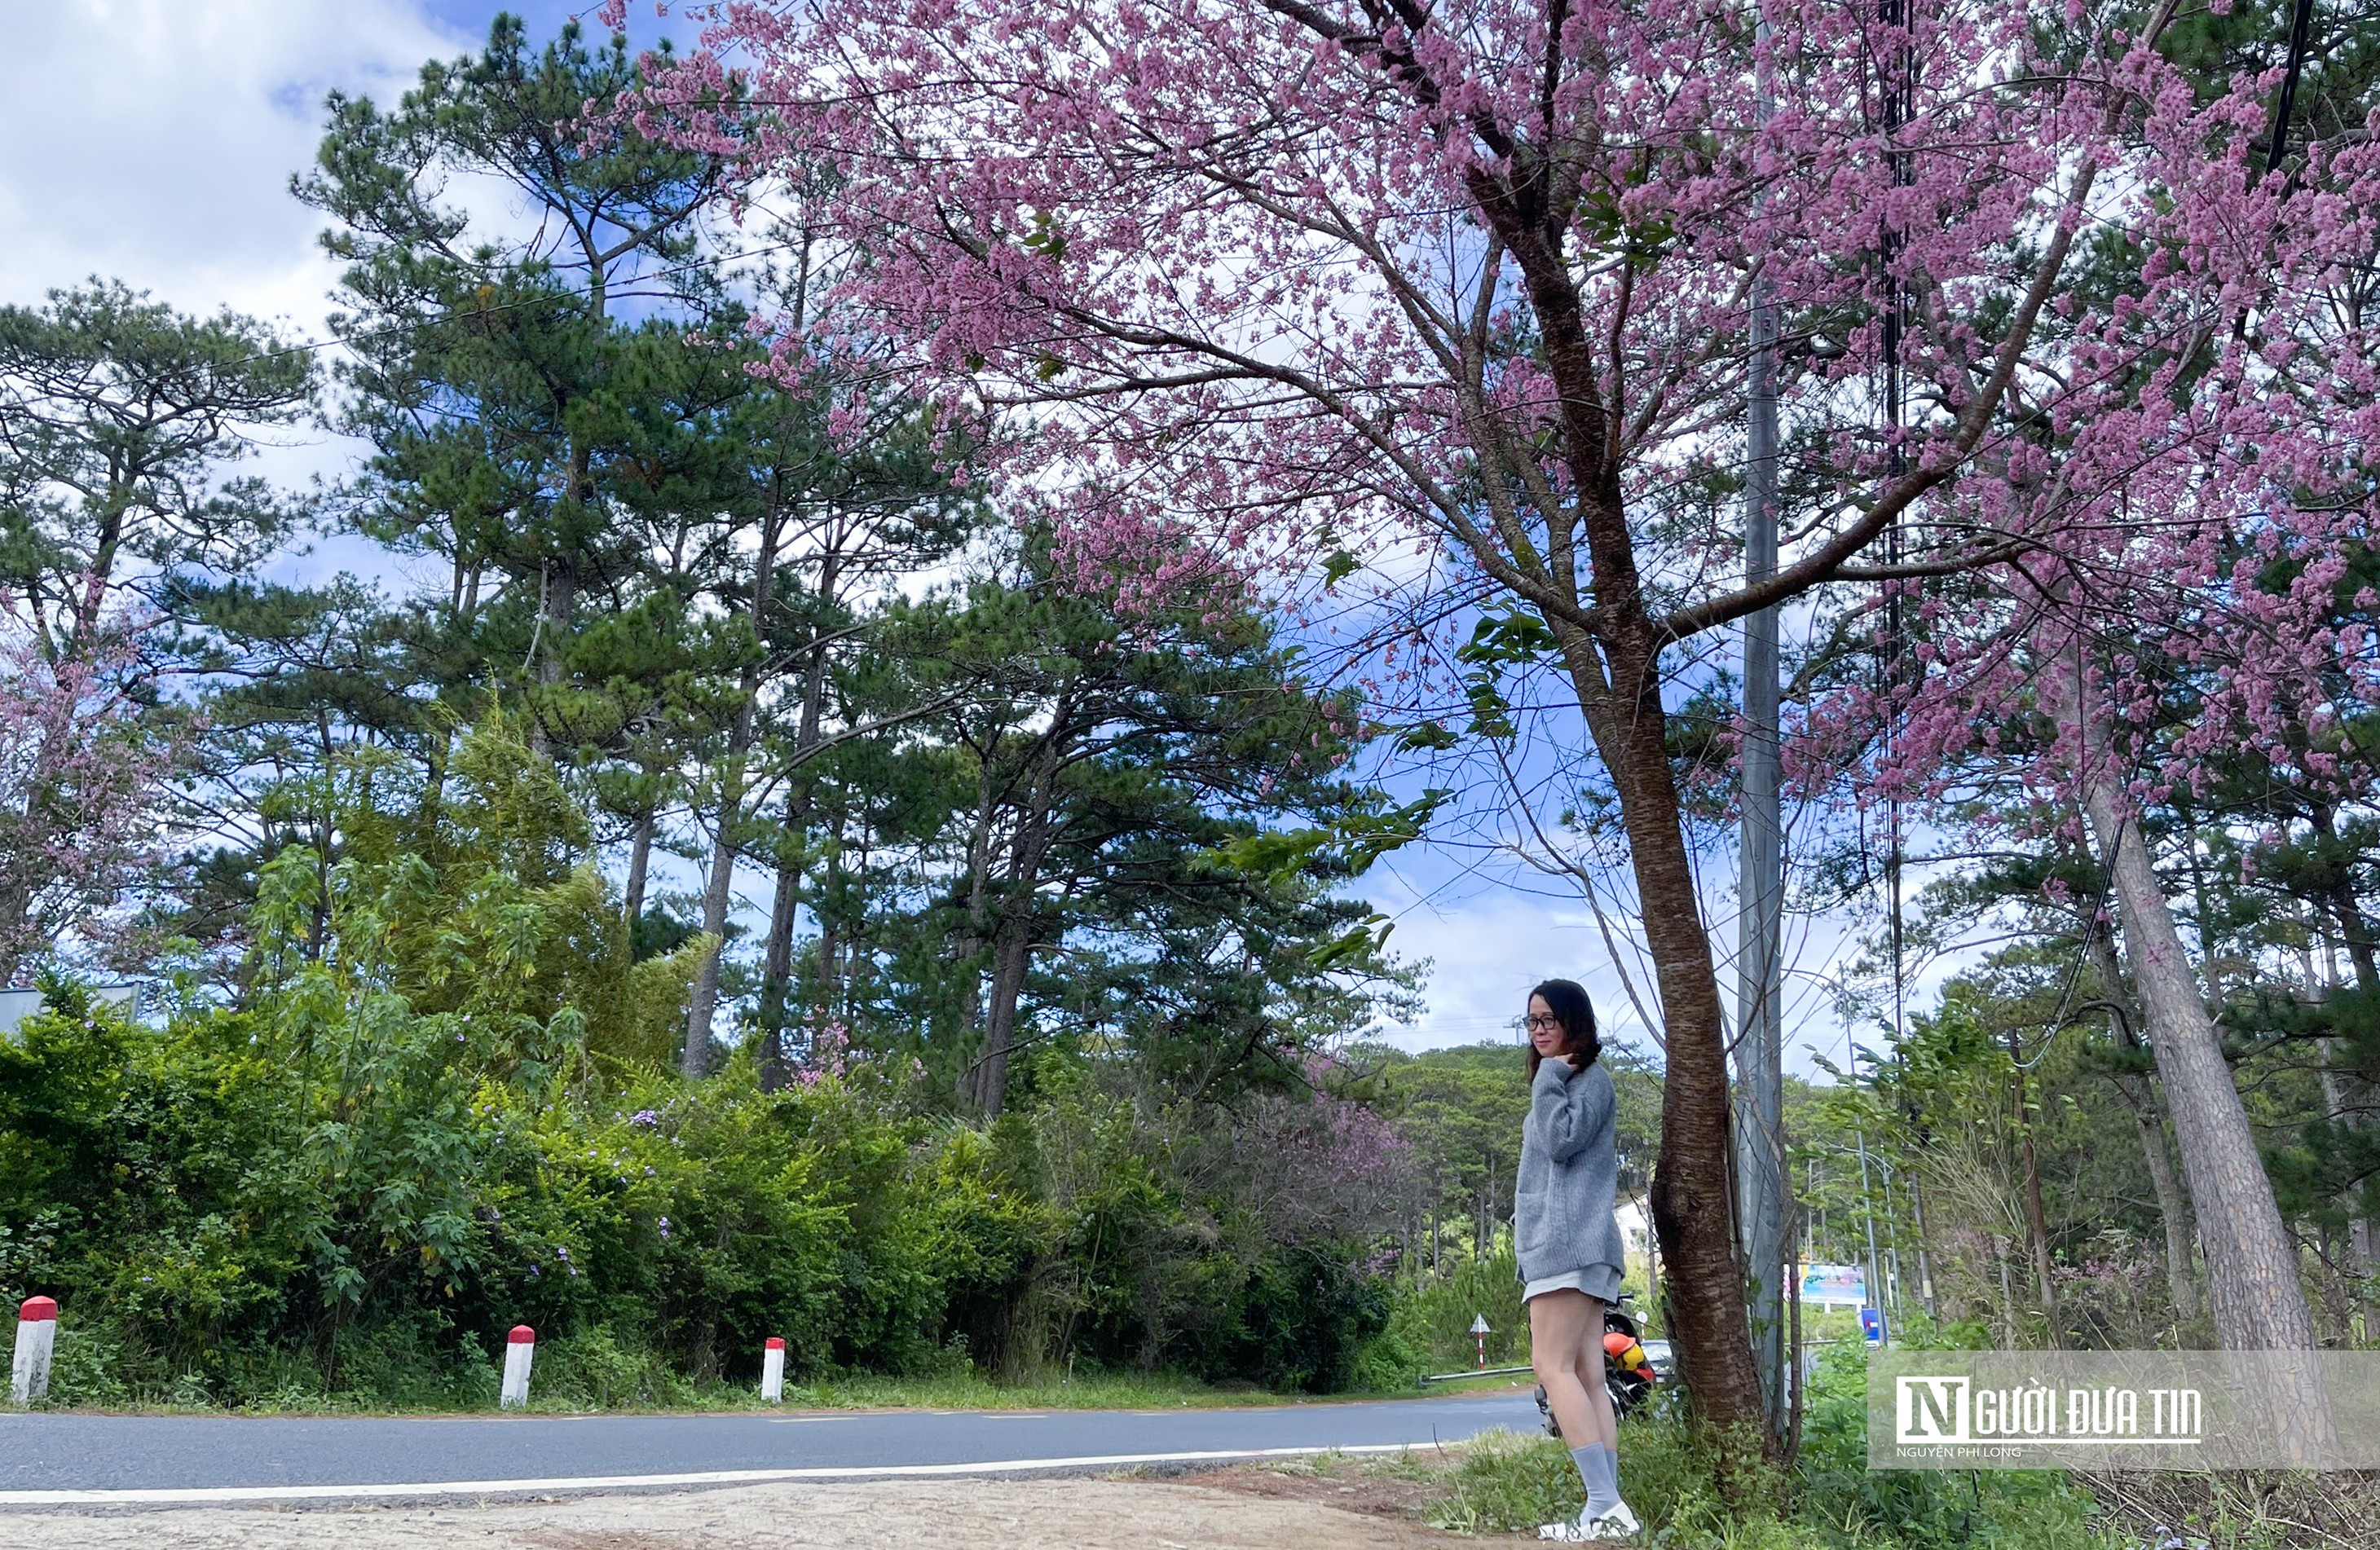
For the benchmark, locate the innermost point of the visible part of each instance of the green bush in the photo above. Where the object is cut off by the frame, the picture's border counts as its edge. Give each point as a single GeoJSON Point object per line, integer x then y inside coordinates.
{"type": "Point", "coordinates": [88, 1368]}
{"type": "Point", "coordinates": [1433, 1313]}
{"type": "Point", "coordinates": [443, 1107]}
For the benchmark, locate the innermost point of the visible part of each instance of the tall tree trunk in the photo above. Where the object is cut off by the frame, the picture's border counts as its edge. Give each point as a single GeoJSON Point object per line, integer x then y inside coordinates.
{"type": "Point", "coordinates": [968, 943]}
{"type": "Point", "coordinates": [792, 860]}
{"type": "Point", "coordinates": [2339, 893]}
{"type": "Point", "coordinates": [826, 904]}
{"type": "Point", "coordinates": [2173, 1205]}
{"type": "Point", "coordinates": [1015, 929]}
{"type": "Point", "coordinates": [557, 606]}
{"type": "Point", "coordinates": [1692, 1194]}
{"type": "Point", "coordinates": [2037, 1219]}
{"type": "Point", "coordinates": [2257, 1297]}
{"type": "Point", "coordinates": [640, 852]}
{"type": "Point", "coordinates": [2359, 1229]}
{"type": "Point", "coordinates": [776, 971]}
{"type": "Point", "coordinates": [2360, 1242]}
{"type": "Point", "coordinates": [1010, 959]}
{"type": "Point", "coordinates": [1924, 1263]}
{"type": "Point", "coordinates": [2210, 943]}
{"type": "Point", "coordinates": [2363, 1233]}
{"type": "Point", "coordinates": [702, 1002]}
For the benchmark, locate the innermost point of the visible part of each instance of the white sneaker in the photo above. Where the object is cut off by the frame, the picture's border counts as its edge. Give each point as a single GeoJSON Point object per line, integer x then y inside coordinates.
{"type": "Point", "coordinates": [1569, 1531]}
{"type": "Point", "coordinates": [1618, 1523]}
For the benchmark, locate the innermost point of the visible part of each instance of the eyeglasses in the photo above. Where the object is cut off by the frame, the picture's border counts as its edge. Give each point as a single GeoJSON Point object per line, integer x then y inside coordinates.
{"type": "Point", "coordinates": [1544, 1024]}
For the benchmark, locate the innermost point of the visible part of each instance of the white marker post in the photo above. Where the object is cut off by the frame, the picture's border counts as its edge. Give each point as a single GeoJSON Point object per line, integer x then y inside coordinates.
{"type": "Point", "coordinates": [37, 1334]}
{"type": "Point", "coordinates": [772, 1371]}
{"type": "Point", "coordinates": [518, 1350]}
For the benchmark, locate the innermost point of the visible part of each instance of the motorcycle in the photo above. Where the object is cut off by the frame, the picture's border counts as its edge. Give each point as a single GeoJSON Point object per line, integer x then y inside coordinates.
{"type": "Point", "coordinates": [1628, 1372]}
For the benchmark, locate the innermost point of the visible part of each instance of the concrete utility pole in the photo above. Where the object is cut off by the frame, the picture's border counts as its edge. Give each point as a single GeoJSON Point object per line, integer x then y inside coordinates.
{"type": "Point", "coordinates": [1760, 1096]}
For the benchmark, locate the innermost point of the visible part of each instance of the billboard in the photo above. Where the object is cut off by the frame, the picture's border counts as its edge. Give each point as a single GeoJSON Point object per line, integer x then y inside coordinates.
{"type": "Point", "coordinates": [1834, 1285]}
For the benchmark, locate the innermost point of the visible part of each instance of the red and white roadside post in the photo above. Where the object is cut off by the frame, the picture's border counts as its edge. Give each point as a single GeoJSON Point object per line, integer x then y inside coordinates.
{"type": "Point", "coordinates": [1479, 1333]}
{"type": "Point", "coordinates": [772, 1371]}
{"type": "Point", "coordinates": [518, 1351]}
{"type": "Point", "coordinates": [37, 1335]}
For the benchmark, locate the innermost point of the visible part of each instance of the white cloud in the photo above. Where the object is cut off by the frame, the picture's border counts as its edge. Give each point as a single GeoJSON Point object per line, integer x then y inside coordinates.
{"type": "Point", "coordinates": [153, 140]}
{"type": "Point", "coordinates": [1489, 941]}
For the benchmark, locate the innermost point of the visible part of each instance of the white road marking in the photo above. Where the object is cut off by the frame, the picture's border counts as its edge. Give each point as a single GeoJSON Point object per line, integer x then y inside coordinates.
{"type": "Point", "coordinates": [202, 1494]}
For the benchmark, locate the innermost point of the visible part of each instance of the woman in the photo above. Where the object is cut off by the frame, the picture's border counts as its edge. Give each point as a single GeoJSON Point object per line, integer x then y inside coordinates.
{"type": "Point", "coordinates": [1570, 1252]}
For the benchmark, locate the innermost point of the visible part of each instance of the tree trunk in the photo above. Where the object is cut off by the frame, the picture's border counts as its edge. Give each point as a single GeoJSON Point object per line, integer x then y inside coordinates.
{"type": "Point", "coordinates": [557, 606]}
{"type": "Point", "coordinates": [640, 852]}
{"type": "Point", "coordinates": [718, 893]}
{"type": "Point", "coordinates": [1693, 1194]}
{"type": "Point", "coordinates": [1014, 928]}
{"type": "Point", "coordinates": [827, 960]}
{"type": "Point", "coordinates": [1652, 1269]}
{"type": "Point", "coordinates": [793, 859]}
{"type": "Point", "coordinates": [2352, 927]}
{"type": "Point", "coordinates": [2210, 946]}
{"type": "Point", "coordinates": [2173, 1205]}
{"type": "Point", "coordinates": [826, 904]}
{"type": "Point", "coordinates": [1924, 1263]}
{"type": "Point", "coordinates": [2254, 1287]}
{"type": "Point", "coordinates": [2359, 1229]}
{"type": "Point", "coordinates": [988, 1081]}
{"type": "Point", "coordinates": [2008, 1290]}
{"type": "Point", "coordinates": [2356, 931]}
{"type": "Point", "coordinates": [2360, 1242]}
{"type": "Point", "coordinates": [2036, 1220]}
{"type": "Point", "coordinates": [702, 1002]}
{"type": "Point", "coordinates": [776, 973]}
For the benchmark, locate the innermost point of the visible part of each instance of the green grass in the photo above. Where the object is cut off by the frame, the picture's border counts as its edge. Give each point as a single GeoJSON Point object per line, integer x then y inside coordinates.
{"type": "Point", "coordinates": [1507, 1484]}
{"type": "Point", "coordinates": [1830, 1501]}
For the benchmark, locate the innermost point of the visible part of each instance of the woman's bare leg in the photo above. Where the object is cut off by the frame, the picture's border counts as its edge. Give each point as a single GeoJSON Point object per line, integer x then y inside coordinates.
{"type": "Point", "coordinates": [1564, 1328]}
{"type": "Point", "coordinates": [1605, 1426]}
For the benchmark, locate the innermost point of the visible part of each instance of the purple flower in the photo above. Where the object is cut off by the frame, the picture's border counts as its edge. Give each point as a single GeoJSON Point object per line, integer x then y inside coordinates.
{"type": "Point", "coordinates": [644, 1117]}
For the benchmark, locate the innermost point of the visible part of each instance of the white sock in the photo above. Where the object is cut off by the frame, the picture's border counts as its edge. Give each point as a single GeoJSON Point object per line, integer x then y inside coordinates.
{"type": "Point", "coordinates": [1599, 1468]}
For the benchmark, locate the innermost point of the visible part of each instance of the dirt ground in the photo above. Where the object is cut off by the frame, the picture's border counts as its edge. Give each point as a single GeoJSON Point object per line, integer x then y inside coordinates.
{"type": "Point", "coordinates": [1249, 1508]}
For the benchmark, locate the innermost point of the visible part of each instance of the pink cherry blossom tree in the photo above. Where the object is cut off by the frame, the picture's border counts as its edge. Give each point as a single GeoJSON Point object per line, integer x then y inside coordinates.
{"type": "Point", "coordinates": [2193, 515]}
{"type": "Point", "coordinates": [1446, 305]}
{"type": "Point", "coordinates": [79, 769]}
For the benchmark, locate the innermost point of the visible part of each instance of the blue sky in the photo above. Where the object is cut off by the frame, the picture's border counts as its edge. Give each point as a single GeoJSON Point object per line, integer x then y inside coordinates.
{"type": "Point", "coordinates": [153, 140]}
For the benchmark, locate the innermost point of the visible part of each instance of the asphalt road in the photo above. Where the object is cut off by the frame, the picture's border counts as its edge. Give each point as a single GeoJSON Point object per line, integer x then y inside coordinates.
{"type": "Point", "coordinates": [49, 1459]}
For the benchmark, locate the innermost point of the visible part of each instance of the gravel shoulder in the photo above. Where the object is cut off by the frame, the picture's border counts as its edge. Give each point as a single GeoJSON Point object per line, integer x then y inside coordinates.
{"type": "Point", "coordinates": [1232, 1509]}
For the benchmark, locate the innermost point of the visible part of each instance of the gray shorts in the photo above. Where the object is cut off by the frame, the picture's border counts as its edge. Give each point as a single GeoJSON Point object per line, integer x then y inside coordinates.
{"type": "Point", "coordinates": [1601, 1281]}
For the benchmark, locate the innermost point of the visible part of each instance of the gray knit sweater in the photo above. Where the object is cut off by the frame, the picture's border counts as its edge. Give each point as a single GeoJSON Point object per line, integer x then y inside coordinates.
{"type": "Point", "coordinates": [1570, 1173]}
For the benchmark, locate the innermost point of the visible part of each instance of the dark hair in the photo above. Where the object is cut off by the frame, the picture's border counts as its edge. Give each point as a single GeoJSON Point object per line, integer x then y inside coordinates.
{"type": "Point", "coordinates": [1568, 1001]}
